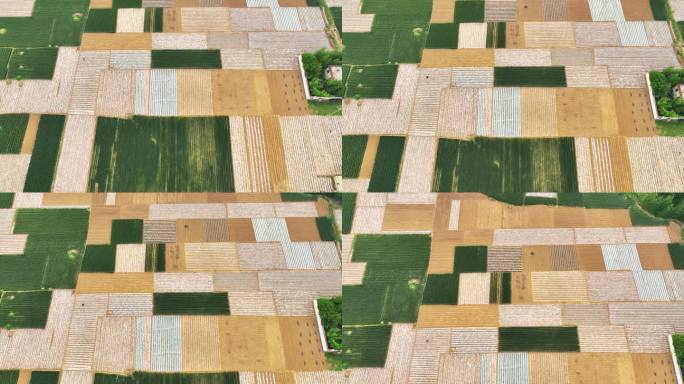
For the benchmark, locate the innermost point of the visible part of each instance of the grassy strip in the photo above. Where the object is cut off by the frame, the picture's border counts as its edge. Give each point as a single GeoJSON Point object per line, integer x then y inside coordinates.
{"type": "Point", "coordinates": [385, 174]}
{"type": "Point", "coordinates": [162, 155]}
{"type": "Point", "coordinates": [353, 149]}
{"type": "Point", "coordinates": [678, 342]}
{"type": "Point", "coordinates": [12, 130]}
{"type": "Point", "coordinates": [154, 20]}
{"type": "Point", "coordinates": [443, 36]}
{"type": "Point", "coordinates": [27, 309]}
{"type": "Point", "coordinates": [348, 207]}
{"type": "Point", "coordinates": [325, 108]}
{"type": "Point", "coordinates": [366, 346]}
{"type": "Point", "coordinates": [500, 288]}
{"type": "Point", "coordinates": [371, 81]}
{"type": "Point", "coordinates": [530, 77]}
{"type": "Point", "coordinates": [186, 58]}
{"type": "Point", "coordinates": [677, 255]}
{"type": "Point", "coordinates": [538, 339]}
{"type": "Point", "coordinates": [99, 258]}
{"type": "Point", "coordinates": [41, 171]}
{"type": "Point", "coordinates": [191, 303]}
{"type": "Point", "coordinates": [169, 378]}
{"type": "Point", "coordinates": [670, 128]}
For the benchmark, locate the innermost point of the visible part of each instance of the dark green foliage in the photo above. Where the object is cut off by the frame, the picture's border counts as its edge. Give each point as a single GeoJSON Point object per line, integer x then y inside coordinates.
{"type": "Point", "coordinates": [470, 259]}
{"type": "Point", "coordinates": [639, 217]}
{"type": "Point", "coordinates": [44, 377]}
{"type": "Point", "coordinates": [41, 169]}
{"type": "Point", "coordinates": [661, 205]}
{"type": "Point", "coordinates": [298, 196]}
{"type": "Point", "coordinates": [313, 3]}
{"type": "Point", "coordinates": [662, 83]}
{"type": "Point", "coordinates": [441, 289]}
{"type": "Point", "coordinates": [162, 154]}
{"type": "Point", "coordinates": [127, 4]}
{"type": "Point", "coordinates": [538, 339]}
{"type": "Point", "coordinates": [191, 303]}
{"type": "Point", "coordinates": [186, 58]}
{"type": "Point", "coordinates": [678, 343]}
{"type": "Point", "coordinates": [315, 64]}
{"type": "Point", "coordinates": [325, 107]}
{"type": "Point", "coordinates": [500, 288]}
{"type": "Point", "coordinates": [32, 63]}
{"type": "Point", "coordinates": [469, 11]}
{"type": "Point", "coordinates": [371, 81]}
{"type": "Point", "coordinates": [326, 228]}
{"type": "Point", "coordinates": [529, 77]}
{"type": "Point", "coordinates": [5, 54]}
{"type": "Point", "coordinates": [155, 257]}
{"type": "Point", "coordinates": [53, 23]}
{"type": "Point", "coordinates": [330, 311]}
{"type": "Point", "coordinates": [169, 378]}
{"type": "Point", "coordinates": [9, 376]}
{"type": "Point", "coordinates": [366, 346]}
{"type": "Point", "coordinates": [99, 258]}
{"type": "Point", "coordinates": [12, 130]}
{"type": "Point", "coordinates": [594, 200]}
{"type": "Point", "coordinates": [6, 199]}
{"type": "Point", "coordinates": [353, 149]}
{"type": "Point", "coordinates": [540, 200]}
{"type": "Point", "coordinates": [28, 309]}
{"type": "Point", "coordinates": [154, 20]}
{"type": "Point", "coordinates": [660, 9]}
{"type": "Point", "coordinates": [443, 36]}
{"type": "Point", "coordinates": [348, 207]}
{"type": "Point", "coordinates": [505, 165]}
{"type": "Point", "coordinates": [677, 255]}
{"type": "Point", "coordinates": [496, 34]}
{"type": "Point", "coordinates": [336, 13]}
{"type": "Point", "coordinates": [127, 231]}
{"type": "Point", "coordinates": [393, 284]}
{"type": "Point", "coordinates": [101, 20]}
{"type": "Point", "coordinates": [387, 165]}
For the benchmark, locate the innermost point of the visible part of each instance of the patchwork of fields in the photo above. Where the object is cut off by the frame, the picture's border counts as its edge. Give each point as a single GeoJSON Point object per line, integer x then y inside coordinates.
{"type": "Point", "coordinates": [150, 288]}
{"type": "Point", "coordinates": [458, 287]}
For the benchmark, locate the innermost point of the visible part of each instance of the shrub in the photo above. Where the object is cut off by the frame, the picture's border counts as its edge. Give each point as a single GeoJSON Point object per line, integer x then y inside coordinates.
{"type": "Point", "coordinates": [330, 311]}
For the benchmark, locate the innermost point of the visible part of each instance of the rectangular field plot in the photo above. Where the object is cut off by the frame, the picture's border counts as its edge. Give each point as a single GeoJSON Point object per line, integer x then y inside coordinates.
{"type": "Point", "coordinates": [186, 58]}
{"type": "Point", "coordinates": [12, 130]}
{"type": "Point", "coordinates": [371, 81]}
{"type": "Point", "coordinates": [41, 171]}
{"type": "Point", "coordinates": [162, 154]}
{"type": "Point", "coordinates": [185, 303]}
{"type": "Point", "coordinates": [387, 164]}
{"type": "Point", "coordinates": [32, 63]}
{"type": "Point", "coordinates": [366, 346]}
{"type": "Point", "coordinates": [505, 165]}
{"type": "Point", "coordinates": [24, 309]}
{"type": "Point", "coordinates": [529, 77]}
{"type": "Point", "coordinates": [538, 339]}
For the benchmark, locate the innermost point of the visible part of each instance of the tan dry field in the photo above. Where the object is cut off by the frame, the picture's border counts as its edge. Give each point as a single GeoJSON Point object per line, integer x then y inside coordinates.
{"type": "Point", "coordinates": [116, 41]}
{"type": "Point", "coordinates": [408, 217]}
{"type": "Point", "coordinates": [193, 92]}
{"type": "Point", "coordinates": [369, 157]}
{"type": "Point", "coordinates": [200, 341]}
{"type": "Point", "coordinates": [538, 112]}
{"type": "Point", "coordinates": [620, 165]}
{"type": "Point", "coordinates": [578, 10]}
{"type": "Point", "coordinates": [124, 282]}
{"type": "Point", "coordinates": [240, 92]}
{"type": "Point", "coordinates": [590, 258]}
{"type": "Point", "coordinates": [99, 4]}
{"type": "Point", "coordinates": [594, 367]}
{"type": "Point", "coordinates": [241, 230]}
{"type": "Point", "coordinates": [648, 366]}
{"type": "Point", "coordinates": [521, 288]}
{"type": "Point", "coordinates": [637, 10]}
{"type": "Point", "coordinates": [287, 93]}
{"type": "Point", "coordinates": [302, 346]}
{"type": "Point", "coordinates": [292, 3]}
{"type": "Point", "coordinates": [461, 316]}
{"type": "Point", "coordinates": [172, 20]}
{"type": "Point", "coordinates": [302, 229]}
{"type": "Point", "coordinates": [586, 112]}
{"type": "Point", "coordinates": [30, 134]}
{"type": "Point", "coordinates": [250, 343]}
{"type": "Point", "coordinates": [547, 368]}
{"type": "Point", "coordinates": [530, 10]}
{"type": "Point", "coordinates": [275, 154]}
{"type": "Point", "coordinates": [634, 114]}
{"type": "Point", "coordinates": [443, 58]}
{"type": "Point", "coordinates": [536, 258]}
{"type": "Point", "coordinates": [443, 11]}
{"type": "Point", "coordinates": [515, 35]}
{"type": "Point", "coordinates": [100, 222]}
{"type": "Point", "coordinates": [654, 256]}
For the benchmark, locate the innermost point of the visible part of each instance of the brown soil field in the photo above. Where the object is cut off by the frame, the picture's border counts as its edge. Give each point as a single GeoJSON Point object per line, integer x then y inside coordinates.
{"type": "Point", "coordinates": [675, 232]}
{"type": "Point", "coordinates": [292, 3]}
{"type": "Point", "coordinates": [451, 316]}
{"type": "Point", "coordinates": [515, 35]}
{"type": "Point", "coordinates": [235, 3]}
{"type": "Point", "coordinates": [564, 258]}
{"type": "Point", "coordinates": [186, 3]}
{"type": "Point", "coordinates": [100, 224]}
{"type": "Point", "coordinates": [123, 282]}
{"type": "Point", "coordinates": [30, 134]}
{"type": "Point", "coordinates": [440, 58]}
{"type": "Point", "coordinates": [251, 343]}
{"type": "Point", "coordinates": [302, 345]}
{"type": "Point", "coordinates": [369, 157]}
{"type": "Point", "coordinates": [538, 112]}
{"type": "Point", "coordinates": [441, 255]}
{"type": "Point", "coordinates": [216, 230]}
{"type": "Point", "coordinates": [408, 217]}
{"type": "Point", "coordinates": [96, 4]}
{"type": "Point", "coordinates": [653, 367]}
{"type": "Point", "coordinates": [321, 207]}
{"type": "Point", "coordinates": [116, 41]}
{"type": "Point", "coordinates": [173, 259]}
{"type": "Point", "coordinates": [637, 10]}
{"type": "Point", "coordinates": [443, 212]}
{"type": "Point", "coordinates": [443, 11]}
{"type": "Point", "coordinates": [302, 229]}
{"type": "Point", "coordinates": [172, 20]}
{"type": "Point", "coordinates": [586, 112]}
{"type": "Point", "coordinates": [475, 237]}
{"type": "Point", "coordinates": [70, 199]}
{"type": "Point", "coordinates": [530, 10]}
{"type": "Point", "coordinates": [569, 217]}
{"type": "Point", "coordinates": [252, 197]}
{"type": "Point", "coordinates": [287, 93]}
{"type": "Point", "coordinates": [241, 230]}
{"type": "Point", "coordinates": [620, 164]}
{"type": "Point", "coordinates": [578, 10]}
{"type": "Point", "coordinates": [193, 92]}
{"type": "Point", "coordinates": [548, 368]}
{"type": "Point", "coordinates": [275, 153]}
{"type": "Point", "coordinates": [536, 258]}
{"type": "Point", "coordinates": [607, 218]}
{"type": "Point", "coordinates": [521, 288]}
{"type": "Point", "coordinates": [634, 112]}
{"type": "Point", "coordinates": [654, 256]}
{"type": "Point", "coordinates": [200, 340]}
{"type": "Point", "coordinates": [608, 368]}
{"type": "Point", "coordinates": [240, 92]}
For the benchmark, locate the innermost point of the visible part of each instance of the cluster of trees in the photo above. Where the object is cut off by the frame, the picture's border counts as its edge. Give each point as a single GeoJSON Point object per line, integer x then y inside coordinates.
{"type": "Point", "coordinates": [315, 65]}
{"type": "Point", "coordinates": [330, 311]}
{"type": "Point", "coordinates": [662, 83]}
{"type": "Point", "coordinates": [663, 205]}
{"type": "Point", "coordinates": [678, 341]}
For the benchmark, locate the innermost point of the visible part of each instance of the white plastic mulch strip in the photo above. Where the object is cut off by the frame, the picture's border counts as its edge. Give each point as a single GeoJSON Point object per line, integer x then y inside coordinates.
{"type": "Point", "coordinates": [513, 368]}
{"type": "Point", "coordinates": [606, 10]}
{"type": "Point", "coordinates": [472, 77]}
{"type": "Point", "coordinates": [187, 211]}
{"type": "Point", "coordinates": [454, 215]}
{"type": "Point", "coordinates": [651, 285]}
{"type": "Point", "coordinates": [484, 111]}
{"type": "Point", "coordinates": [130, 304]}
{"type": "Point", "coordinates": [12, 244]}
{"type": "Point", "coordinates": [270, 229]}
{"type": "Point", "coordinates": [262, 3]}
{"type": "Point", "coordinates": [621, 257]}
{"type": "Point", "coordinates": [74, 157]}
{"type": "Point", "coordinates": [130, 258]}
{"type": "Point", "coordinates": [633, 34]}
{"type": "Point", "coordinates": [326, 255]}
{"type": "Point", "coordinates": [298, 256]}
{"type": "Point", "coordinates": [286, 19]}
{"type": "Point", "coordinates": [131, 59]}
{"type": "Point", "coordinates": [659, 34]}
{"type": "Point", "coordinates": [506, 112]}
{"type": "Point", "coordinates": [261, 256]}
{"type": "Point", "coordinates": [163, 98]}
{"type": "Point", "coordinates": [166, 344]}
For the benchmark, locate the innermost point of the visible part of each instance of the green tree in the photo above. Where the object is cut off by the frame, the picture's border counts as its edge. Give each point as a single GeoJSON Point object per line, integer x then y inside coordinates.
{"type": "Point", "coordinates": [661, 86]}
{"type": "Point", "coordinates": [665, 107]}
{"type": "Point", "coordinates": [312, 67]}
{"type": "Point", "coordinates": [334, 87]}
{"type": "Point", "coordinates": [678, 106]}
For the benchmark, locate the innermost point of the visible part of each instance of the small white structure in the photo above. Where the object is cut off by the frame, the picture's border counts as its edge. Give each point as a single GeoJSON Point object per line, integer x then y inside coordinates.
{"type": "Point", "coordinates": [334, 72]}
{"type": "Point", "coordinates": [678, 90]}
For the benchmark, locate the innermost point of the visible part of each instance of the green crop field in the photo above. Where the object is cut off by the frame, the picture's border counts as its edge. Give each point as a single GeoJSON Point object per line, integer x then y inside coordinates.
{"type": "Point", "coordinates": [353, 148]}
{"type": "Point", "coordinates": [99, 258]}
{"type": "Point", "coordinates": [127, 231]}
{"type": "Point", "coordinates": [348, 207]}
{"type": "Point", "coordinates": [530, 77]}
{"type": "Point", "coordinates": [505, 165]}
{"type": "Point", "coordinates": [538, 339]}
{"type": "Point", "coordinates": [469, 11]}
{"type": "Point", "coordinates": [469, 259]}
{"type": "Point", "coordinates": [5, 54]}
{"type": "Point", "coordinates": [154, 20]}
{"type": "Point", "coordinates": [162, 155]}
{"type": "Point", "coordinates": [169, 378]}
{"type": "Point", "coordinates": [186, 58]}
{"type": "Point", "coordinates": [441, 289]}
{"type": "Point", "coordinates": [27, 309]}
{"type": "Point", "coordinates": [393, 284]}
{"type": "Point", "coordinates": [6, 199]}
{"type": "Point", "coordinates": [660, 9]}
{"type": "Point", "coordinates": [326, 228]}
{"type": "Point", "coordinates": [41, 169]}
{"type": "Point", "coordinates": [442, 36]}
{"type": "Point", "coordinates": [677, 255]}
{"type": "Point", "coordinates": [385, 175]}
{"type": "Point", "coordinates": [155, 257]}
{"type": "Point", "coordinates": [9, 376]}
{"type": "Point", "coordinates": [500, 288]}
{"type": "Point", "coordinates": [44, 377]}
{"type": "Point", "coordinates": [371, 81]}
{"type": "Point", "coordinates": [496, 34]}
{"type": "Point", "coordinates": [12, 130]}
{"type": "Point", "coordinates": [366, 346]}
{"type": "Point", "coordinates": [53, 23]}
{"type": "Point", "coordinates": [191, 303]}
{"type": "Point", "coordinates": [32, 63]}
{"type": "Point", "coordinates": [101, 20]}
